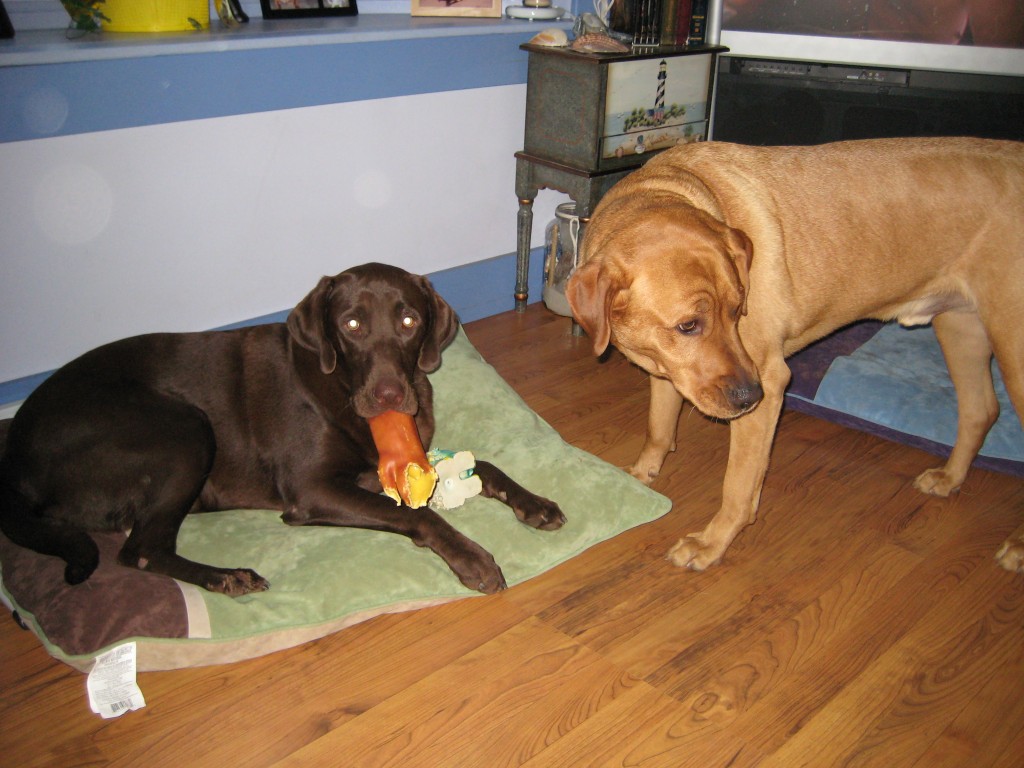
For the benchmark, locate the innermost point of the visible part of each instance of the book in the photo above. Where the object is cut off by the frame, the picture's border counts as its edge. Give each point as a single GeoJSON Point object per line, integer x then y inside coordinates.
{"type": "Point", "coordinates": [698, 23]}
{"type": "Point", "coordinates": [640, 19]}
{"type": "Point", "coordinates": [647, 32]}
{"type": "Point", "coordinates": [675, 22]}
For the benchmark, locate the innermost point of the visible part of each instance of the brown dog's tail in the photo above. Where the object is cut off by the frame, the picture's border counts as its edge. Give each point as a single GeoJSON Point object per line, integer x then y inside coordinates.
{"type": "Point", "coordinates": [22, 524]}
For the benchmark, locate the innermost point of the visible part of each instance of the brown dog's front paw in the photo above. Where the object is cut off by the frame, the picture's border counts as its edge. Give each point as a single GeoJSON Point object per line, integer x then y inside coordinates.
{"type": "Point", "coordinates": [237, 582]}
{"type": "Point", "coordinates": [691, 552]}
{"type": "Point", "coordinates": [540, 513]}
{"type": "Point", "coordinates": [472, 564]}
{"type": "Point", "coordinates": [1011, 555]}
{"type": "Point", "coordinates": [937, 482]}
{"type": "Point", "coordinates": [482, 575]}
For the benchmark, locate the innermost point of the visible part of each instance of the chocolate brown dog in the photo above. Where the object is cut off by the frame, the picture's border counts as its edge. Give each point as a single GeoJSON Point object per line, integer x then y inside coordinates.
{"type": "Point", "coordinates": [141, 432]}
{"type": "Point", "coordinates": [714, 262]}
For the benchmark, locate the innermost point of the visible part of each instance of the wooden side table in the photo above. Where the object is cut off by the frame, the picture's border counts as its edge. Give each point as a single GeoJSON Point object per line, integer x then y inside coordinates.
{"type": "Point", "coordinates": [593, 118]}
{"type": "Point", "coordinates": [586, 188]}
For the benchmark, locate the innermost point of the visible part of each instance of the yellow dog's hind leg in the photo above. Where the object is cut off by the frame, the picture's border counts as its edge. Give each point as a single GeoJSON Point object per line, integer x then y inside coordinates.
{"type": "Point", "coordinates": [968, 355]}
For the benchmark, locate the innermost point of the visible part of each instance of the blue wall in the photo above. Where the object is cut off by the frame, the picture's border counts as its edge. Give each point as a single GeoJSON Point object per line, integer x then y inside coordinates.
{"type": "Point", "coordinates": [231, 74]}
{"type": "Point", "coordinates": [53, 87]}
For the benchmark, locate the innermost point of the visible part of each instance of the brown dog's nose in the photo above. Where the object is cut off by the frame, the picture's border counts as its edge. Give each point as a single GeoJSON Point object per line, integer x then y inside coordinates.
{"type": "Point", "coordinates": [744, 395]}
{"type": "Point", "coordinates": [389, 393]}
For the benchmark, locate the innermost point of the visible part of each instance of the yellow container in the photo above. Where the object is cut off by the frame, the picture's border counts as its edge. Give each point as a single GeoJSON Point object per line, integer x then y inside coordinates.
{"type": "Point", "coordinates": [155, 15]}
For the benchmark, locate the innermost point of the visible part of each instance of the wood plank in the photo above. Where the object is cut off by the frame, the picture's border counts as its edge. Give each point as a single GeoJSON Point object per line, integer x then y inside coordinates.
{"type": "Point", "coordinates": [498, 705]}
{"type": "Point", "coordinates": [914, 689]}
{"type": "Point", "coordinates": [857, 622]}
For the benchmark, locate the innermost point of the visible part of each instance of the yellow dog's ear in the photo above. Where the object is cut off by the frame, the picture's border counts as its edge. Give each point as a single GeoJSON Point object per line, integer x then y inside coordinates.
{"type": "Point", "coordinates": [742, 251]}
{"type": "Point", "coordinates": [591, 291]}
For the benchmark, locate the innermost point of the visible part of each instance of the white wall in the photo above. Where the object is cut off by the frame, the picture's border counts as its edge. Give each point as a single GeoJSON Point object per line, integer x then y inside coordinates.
{"type": "Point", "coordinates": [193, 225]}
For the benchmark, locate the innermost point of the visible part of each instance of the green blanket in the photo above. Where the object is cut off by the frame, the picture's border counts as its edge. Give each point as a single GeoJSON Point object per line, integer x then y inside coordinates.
{"type": "Point", "coordinates": [324, 579]}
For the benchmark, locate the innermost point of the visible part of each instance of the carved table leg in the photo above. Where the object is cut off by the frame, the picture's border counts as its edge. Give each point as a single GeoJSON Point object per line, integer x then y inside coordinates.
{"type": "Point", "coordinates": [524, 229]}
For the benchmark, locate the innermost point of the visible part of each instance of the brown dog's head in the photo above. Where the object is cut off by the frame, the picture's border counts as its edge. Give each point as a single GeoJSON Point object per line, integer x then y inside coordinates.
{"type": "Point", "coordinates": [667, 284]}
{"type": "Point", "coordinates": [379, 327]}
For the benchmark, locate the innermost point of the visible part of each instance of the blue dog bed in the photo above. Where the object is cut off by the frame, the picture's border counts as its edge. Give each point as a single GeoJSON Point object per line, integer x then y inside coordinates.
{"type": "Point", "coordinates": [892, 381]}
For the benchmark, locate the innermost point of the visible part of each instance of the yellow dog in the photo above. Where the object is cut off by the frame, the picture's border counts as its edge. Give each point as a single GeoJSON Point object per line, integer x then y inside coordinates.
{"type": "Point", "coordinates": [714, 262]}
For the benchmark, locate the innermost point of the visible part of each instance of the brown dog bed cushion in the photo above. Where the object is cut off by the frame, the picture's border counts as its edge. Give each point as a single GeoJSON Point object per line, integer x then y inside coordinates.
{"type": "Point", "coordinates": [324, 579]}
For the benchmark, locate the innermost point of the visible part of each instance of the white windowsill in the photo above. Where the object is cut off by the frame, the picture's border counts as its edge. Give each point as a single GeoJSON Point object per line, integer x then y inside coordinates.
{"type": "Point", "coordinates": [34, 47]}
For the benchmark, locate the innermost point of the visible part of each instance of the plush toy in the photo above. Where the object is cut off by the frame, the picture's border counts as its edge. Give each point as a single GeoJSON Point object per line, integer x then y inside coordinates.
{"type": "Point", "coordinates": [455, 479]}
{"type": "Point", "coordinates": [407, 474]}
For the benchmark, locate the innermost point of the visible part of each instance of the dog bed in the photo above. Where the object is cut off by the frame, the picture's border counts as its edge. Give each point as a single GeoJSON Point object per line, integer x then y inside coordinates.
{"type": "Point", "coordinates": [325, 579]}
{"type": "Point", "coordinates": [892, 381]}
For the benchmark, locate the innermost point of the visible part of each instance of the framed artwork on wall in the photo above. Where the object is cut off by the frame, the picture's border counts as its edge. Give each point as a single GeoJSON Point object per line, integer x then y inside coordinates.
{"type": "Point", "coordinates": [297, 9]}
{"type": "Point", "coordinates": [478, 8]}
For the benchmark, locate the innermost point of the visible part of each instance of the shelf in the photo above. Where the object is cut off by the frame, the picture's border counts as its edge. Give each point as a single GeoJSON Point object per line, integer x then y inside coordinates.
{"type": "Point", "coordinates": [51, 86]}
{"type": "Point", "coordinates": [650, 52]}
{"type": "Point", "coordinates": [35, 47]}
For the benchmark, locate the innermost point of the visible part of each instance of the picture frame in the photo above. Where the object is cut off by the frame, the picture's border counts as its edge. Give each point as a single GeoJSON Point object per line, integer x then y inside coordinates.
{"type": "Point", "coordinates": [489, 9]}
{"type": "Point", "coordinates": [300, 9]}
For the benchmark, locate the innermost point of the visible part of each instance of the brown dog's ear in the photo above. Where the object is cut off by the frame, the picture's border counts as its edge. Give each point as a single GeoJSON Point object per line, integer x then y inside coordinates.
{"type": "Point", "coordinates": [590, 292]}
{"type": "Point", "coordinates": [444, 324]}
{"type": "Point", "coordinates": [307, 324]}
{"type": "Point", "coordinates": [742, 251]}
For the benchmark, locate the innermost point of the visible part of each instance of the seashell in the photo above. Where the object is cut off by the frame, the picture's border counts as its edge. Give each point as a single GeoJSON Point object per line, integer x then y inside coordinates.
{"type": "Point", "coordinates": [598, 43]}
{"type": "Point", "coordinates": [552, 38]}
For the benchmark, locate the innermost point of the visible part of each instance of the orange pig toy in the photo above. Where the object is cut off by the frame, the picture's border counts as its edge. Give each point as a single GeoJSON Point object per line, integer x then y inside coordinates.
{"type": "Point", "coordinates": [403, 469]}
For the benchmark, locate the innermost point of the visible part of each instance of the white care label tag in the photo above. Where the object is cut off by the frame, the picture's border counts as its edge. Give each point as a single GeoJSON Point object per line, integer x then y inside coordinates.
{"type": "Point", "coordinates": [111, 684]}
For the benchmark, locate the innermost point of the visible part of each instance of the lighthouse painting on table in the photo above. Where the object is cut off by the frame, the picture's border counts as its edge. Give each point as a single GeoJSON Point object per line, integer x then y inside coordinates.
{"type": "Point", "coordinates": [655, 103]}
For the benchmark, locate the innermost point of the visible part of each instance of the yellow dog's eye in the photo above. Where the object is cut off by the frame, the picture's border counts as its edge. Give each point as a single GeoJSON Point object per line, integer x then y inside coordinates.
{"type": "Point", "coordinates": [689, 328]}
{"type": "Point", "coordinates": [408, 321]}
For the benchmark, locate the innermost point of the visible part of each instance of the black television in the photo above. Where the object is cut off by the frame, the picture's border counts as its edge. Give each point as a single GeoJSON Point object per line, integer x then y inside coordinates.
{"type": "Point", "coordinates": [807, 71]}
{"type": "Point", "coordinates": [976, 36]}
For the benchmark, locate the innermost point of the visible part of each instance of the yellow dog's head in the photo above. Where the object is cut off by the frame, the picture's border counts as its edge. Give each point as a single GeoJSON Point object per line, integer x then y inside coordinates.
{"type": "Point", "coordinates": [667, 283]}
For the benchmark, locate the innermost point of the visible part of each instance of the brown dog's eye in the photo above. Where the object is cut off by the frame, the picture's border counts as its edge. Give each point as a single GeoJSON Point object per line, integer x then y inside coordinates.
{"type": "Point", "coordinates": [408, 321]}
{"type": "Point", "coordinates": [352, 324]}
{"type": "Point", "coordinates": [689, 328]}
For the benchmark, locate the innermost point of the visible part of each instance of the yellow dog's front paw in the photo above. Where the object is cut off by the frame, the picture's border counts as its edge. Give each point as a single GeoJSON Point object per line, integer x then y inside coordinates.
{"type": "Point", "coordinates": [1011, 555]}
{"type": "Point", "coordinates": [691, 552]}
{"type": "Point", "coordinates": [644, 472]}
{"type": "Point", "coordinates": [937, 482]}
{"type": "Point", "coordinates": [648, 464]}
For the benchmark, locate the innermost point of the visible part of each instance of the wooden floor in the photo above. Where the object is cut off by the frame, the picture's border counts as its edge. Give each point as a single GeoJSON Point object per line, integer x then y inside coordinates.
{"type": "Point", "coordinates": [856, 623]}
